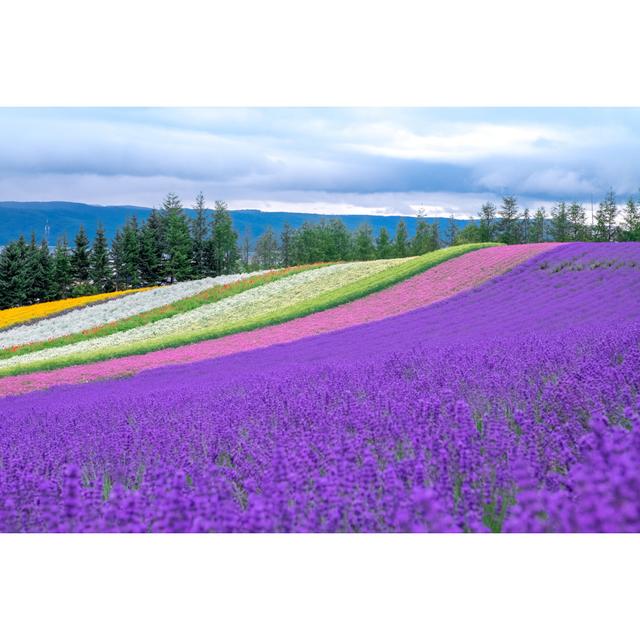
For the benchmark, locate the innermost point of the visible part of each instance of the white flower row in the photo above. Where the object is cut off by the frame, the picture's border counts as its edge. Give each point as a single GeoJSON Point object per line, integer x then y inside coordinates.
{"type": "Point", "coordinates": [111, 311]}
{"type": "Point", "coordinates": [245, 306]}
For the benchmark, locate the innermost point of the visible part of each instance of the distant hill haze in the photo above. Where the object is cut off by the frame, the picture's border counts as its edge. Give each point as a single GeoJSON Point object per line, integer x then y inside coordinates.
{"type": "Point", "coordinates": [66, 217]}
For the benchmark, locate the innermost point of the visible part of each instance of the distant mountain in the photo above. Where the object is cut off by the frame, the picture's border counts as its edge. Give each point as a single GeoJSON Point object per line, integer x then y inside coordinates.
{"type": "Point", "coordinates": [66, 217]}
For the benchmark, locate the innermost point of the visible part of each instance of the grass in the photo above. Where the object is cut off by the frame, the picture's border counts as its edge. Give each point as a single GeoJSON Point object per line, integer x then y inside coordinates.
{"type": "Point", "coordinates": [347, 293]}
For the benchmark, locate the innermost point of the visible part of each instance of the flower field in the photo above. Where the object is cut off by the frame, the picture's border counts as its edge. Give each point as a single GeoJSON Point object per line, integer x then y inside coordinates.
{"type": "Point", "coordinates": [18, 315]}
{"type": "Point", "coordinates": [508, 406]}
{"type": "Point", "coordinates": [299, 294]}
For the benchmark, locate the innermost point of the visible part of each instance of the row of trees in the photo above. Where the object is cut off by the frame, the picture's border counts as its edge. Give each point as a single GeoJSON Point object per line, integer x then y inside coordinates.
{"type": "Point", "coordinates": [170, 246]}
{"type": "Point", "coordinates": [567, 222]}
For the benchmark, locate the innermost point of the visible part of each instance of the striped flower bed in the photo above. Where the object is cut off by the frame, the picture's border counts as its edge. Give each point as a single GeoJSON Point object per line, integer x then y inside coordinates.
{"type": "Point", "coordinates": [439, 282]}
{"type": "Point", "coordinates": [28, 313]}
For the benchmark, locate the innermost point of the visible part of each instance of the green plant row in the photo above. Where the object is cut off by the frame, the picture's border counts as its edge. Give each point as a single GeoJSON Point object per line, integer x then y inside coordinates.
{"type": "Point", "coordinates": [348, 293]}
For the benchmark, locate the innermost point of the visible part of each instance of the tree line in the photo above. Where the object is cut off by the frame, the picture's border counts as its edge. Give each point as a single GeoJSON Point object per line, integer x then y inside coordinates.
{"type": "Point", "coordinates": [169, 246]}
{"type": "Point", "coordinates": [566, 222]}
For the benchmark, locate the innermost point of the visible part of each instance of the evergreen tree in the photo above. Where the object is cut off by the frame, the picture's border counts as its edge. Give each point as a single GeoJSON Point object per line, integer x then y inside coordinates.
{"type": "Point", "coordinates": [62, 270]}
{"type": "Point", "coordinates": [434, 237]}
{"type": "Point", "coordinates": [177, 240]}
{"type": "Point", "coordinates": [421, 242]}
{"type": "Point", "coordinates": [631, 221]}
{"type": "Point", "coordinates": [130, 267]}
{"type": "Point", "coordinates": [100, 269]}
{"type": "Point", "coordinates": [401, 241]}
{"type": "Point", "coordinates": [469, 234]}
{"type": "Point", "coordinates": [151, 257]}
{"type": "Point", "coordinates": [605, 226]}
{"type": "Point", "coordinates": [452, 231]}
{"type": "Point", "coordinates": [286, 245]}
{"type": "Point", "coordinates": [31, 260]}
{"type": "Point", "coordinates": [384, 248]}
{"type": "Point", "coordinates": [245, 251]}
{"type": "Point", "coordinates": [488, 222]}
{"type": "Point", "coordinates": [41, 271]}
{"type": "Point", "coordinates": [80, 257]}
{"type": "Point", "coordinates": [538, 226]}
{"type": "Point", "coordinates": [224, 241]}
{"type": "Point", "coordinates": [577, 222]}
{"type": "Point", "coordinates": [525, 226]}
{"type": "Point", "coordinates": [508, 223]}
{"type": "Point", "coordinates": [266, 254]}
{"type": "Point", "coordinates": [363, 247]}
{"type": "Point", "coordinates": [560, 228]}
{"type": "Point", "coordinates": [199, 238]}
{"type": "Point", "coordinates": [336, 241]}
{"type": "Point", "coordinates": [13, 281]}
{"type": "Point", "coordinates": [118, 260]}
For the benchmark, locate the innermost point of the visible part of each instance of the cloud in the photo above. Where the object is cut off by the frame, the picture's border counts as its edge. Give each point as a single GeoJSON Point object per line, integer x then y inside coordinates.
{"type": "Point", "coordinates": [385, 160]}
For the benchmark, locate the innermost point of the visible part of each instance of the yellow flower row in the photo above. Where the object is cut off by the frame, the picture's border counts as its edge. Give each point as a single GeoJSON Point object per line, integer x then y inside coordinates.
{"type": "Point", "coordinates": [16, 315]}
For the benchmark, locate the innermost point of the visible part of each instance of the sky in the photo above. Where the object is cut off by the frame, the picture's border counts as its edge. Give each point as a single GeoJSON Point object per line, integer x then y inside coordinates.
{"type": "Point", "coordinates": [444, 161]}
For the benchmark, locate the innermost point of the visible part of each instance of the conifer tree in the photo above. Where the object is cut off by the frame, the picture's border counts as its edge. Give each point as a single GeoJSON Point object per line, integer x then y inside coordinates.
{"type": "Point", "coordinates": [40, 271]}
{"type": "Point", "coordinates": [80, 258]}
{"type": "Point", "coordinates": [384, 248]}
{"type": "Point", "coordinates": [508, 231]}
{"type": "Point", "coordinates": [488, 222]}
{"type": "Point", "coordinates": [363, 247]}
{"type": "Point", "coordinates": [605, 226]}
{"type": "Point", "coordinates": [286, 245]}
{"type": "Point", "coordinates": [452, 231]}
{"type": "Point", "coordinates": [224, 240]}
{"type": "Point", "coordinates": [100, 268]}
{"type": "Point", "coordinates": [631, 221]}
{"type": "Point", "coordinates": [525, 226]}
{"type": "Point", "coordinates": [118, 260]}
{"type": "Point", "coordinates": [199, 238]}
{"type": "Point", "coordinates": [560, 228]}
{"type": "Point", "coordinates": [62, 271]}
{"type": "Point", "coordinates": [13, 282]}
{"type": "Point", "coordinates": [131, 253]}
{"type": "Point", "coordinates": [151, 257]}
{"type": "Point", "coordinates": [434, 237]}
{"type": "Point", "coordinates": [538, 226]}
{"type": "Point", "coordinates": [401, 241]}
{"type": "Point", "coordinates": [577, 222]}
{"type": "Point", "coordinates": [177, 240]}
{"type": "Point", "coordinates": [421, 242]}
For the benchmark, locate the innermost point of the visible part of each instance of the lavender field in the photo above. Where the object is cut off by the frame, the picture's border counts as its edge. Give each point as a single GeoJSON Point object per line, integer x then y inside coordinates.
{"type": "Point", "coordinates": [510, 407]}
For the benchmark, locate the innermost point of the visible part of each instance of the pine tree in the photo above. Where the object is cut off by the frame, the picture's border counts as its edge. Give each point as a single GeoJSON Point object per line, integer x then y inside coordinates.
{"type": "Point", "coordinates": [100, 268]}
{"type": "Point", "coordinates": [508, 223]}
{"type": "Point", "coordinates": [118, 261]}
{"type": "Point", "coordinates": [224, 241]}
{"type": "Point", "coordinates": [131, 253]}
{"type": "Point", "coordinates": [605, 226]}
{"type": "Point", "coordinates": [199, 238]}
{"type": "Point", "coordinates": [488, 222]}
{"type": "Point", "coordinates": [401, 241]}
{"type": "Point", "coordinates": [80, 258]}
{"type": "Point", "coordinates": [363, 247]}
{"type": "Point", "coordinates": [538, 226]}
{"type": "Point", "coordinates": [525, 226]}
{"type": "Point", "coordinates": [384, 248]}
{"type": "Point", "coordinates": [286, 245]}
{"type": "Point", "coordinates": [434, 237]}
{"type": "Point", "coordinates": [266, 254]}
{"type": "Point", "coordinates": [13, 281]}
{"type": "Point", "coordinates": [631, 221]}
{"type": "Point", "coordinates": [337, 241]}
{"type": "Point", "coordinates": [41, 273]}
{"type": "Point", "coordinates": [452, 231]}
{"type": "Point", "coordinates": [421, 242]}
{"type": "Point", "coordinates": [31, 262]}
{"type": "Point", "coordinates": [577, 221]}
{"type": "Point", "coordinates": [151, 257]}
{"type": "Point", "coordinates": [177, 238]}
{"type": "Point", "coordinates": [560, 229]}
{"type": "Point", "coordinates": [62, 271]}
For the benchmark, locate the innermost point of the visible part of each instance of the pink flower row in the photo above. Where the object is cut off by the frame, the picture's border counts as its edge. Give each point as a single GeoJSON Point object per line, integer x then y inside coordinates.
{"type": "Point", "coordinates": [438, 283]}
